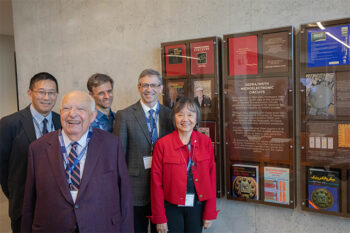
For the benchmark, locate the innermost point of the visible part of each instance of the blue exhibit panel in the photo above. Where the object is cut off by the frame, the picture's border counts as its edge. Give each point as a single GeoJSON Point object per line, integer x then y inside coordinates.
{"type": "Point", "coordinates": [329, 47]}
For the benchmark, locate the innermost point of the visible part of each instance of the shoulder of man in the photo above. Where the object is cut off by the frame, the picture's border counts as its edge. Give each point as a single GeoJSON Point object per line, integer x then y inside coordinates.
{"type": "Point", "coordinates": [129, 108]}
{"type": "Point", "coordinates": [15, 117]}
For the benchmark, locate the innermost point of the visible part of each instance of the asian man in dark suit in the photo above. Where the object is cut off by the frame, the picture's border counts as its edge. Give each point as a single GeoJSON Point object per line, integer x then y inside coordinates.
{"type": "Point", "coordinates": [77, 179]}
{"type": "Point", "coordinates": [139, 126]}
{"type": "Point", "coordinates": [17, 131]}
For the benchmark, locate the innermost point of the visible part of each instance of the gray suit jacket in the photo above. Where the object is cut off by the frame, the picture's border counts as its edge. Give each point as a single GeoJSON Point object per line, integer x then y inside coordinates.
{"type": "Point", "coordinates": [131, 127]}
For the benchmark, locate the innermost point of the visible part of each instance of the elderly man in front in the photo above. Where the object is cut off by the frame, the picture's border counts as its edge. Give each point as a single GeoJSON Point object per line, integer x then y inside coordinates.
{"type": "Point", "coordinates": [77, 179]}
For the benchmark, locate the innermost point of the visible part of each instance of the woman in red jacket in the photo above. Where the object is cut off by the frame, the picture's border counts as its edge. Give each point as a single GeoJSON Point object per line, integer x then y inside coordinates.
{"type": "Point", "coordinates": [183, 196]}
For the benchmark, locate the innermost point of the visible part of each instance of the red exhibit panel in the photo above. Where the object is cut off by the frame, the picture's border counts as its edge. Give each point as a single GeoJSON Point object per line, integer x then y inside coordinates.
{"type": "Point", "coordinates": [243, 59]}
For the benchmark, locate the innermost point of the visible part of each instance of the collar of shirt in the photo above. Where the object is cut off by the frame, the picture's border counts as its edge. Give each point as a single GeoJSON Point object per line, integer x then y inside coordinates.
{"type": "Point", "coordinates": [39, 118]}
{"type": "Point", "coordinates": [146, 108]}
{"type": "Point", "coordinates": [81, 141]}
{"type": "Point", "coordinates": [38, 122]}
{"type": "Point", "coordinates": [100, 115]}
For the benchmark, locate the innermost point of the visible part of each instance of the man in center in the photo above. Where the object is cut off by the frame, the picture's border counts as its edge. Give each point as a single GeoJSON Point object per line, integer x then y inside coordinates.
{"type": "Point", "coordinates": [100, 87]}
{"type": "Point", "coordinates": [139, 126]}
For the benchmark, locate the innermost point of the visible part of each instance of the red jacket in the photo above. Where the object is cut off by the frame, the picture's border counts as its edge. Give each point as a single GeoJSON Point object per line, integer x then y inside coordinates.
{"type": "Point", "coordinates": [169, 174]}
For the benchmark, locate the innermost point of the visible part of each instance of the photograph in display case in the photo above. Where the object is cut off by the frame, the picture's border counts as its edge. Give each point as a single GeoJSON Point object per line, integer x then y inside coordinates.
{"type": "Point", "coordinates": [175, 89]}
{"type": "Point", "coordinates": [328, 46]}
{"type": "Point", "coordinates": [323, 189]}
{"type": "Point", "coordinates": [320, 97]}
{"type": "Point", "coordinates": [202, 57]}
{"type": "Point", "coordinates": [275, 52]}
{"type": "Point", "coordinates": [242, 55]}
{"type": "Point", "coordinates": [203, 93]}
{"type": "Point", "coordinates": [175, 60]}
{"type": "Point", "coordinates": [276, 185]}
{"type": "Point", "coordinates": [245, 181]}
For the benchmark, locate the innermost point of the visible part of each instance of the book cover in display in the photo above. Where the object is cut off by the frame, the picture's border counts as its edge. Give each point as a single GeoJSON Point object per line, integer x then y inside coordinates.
{"type": "Point", "coordinates": [245, 181]}
{"type": "Point", "coordinates": [276, 185]}
{"type": "Point", "coordinates": [323, 189]}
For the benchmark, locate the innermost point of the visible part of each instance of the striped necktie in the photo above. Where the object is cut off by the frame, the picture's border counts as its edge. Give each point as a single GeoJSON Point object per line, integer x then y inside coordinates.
{"type": "Point", "coordinates": [154, 133]}
{"type": "Point", "coordinates": [45, 131]}
{"type": "Point", "coordinates": [75, 175]}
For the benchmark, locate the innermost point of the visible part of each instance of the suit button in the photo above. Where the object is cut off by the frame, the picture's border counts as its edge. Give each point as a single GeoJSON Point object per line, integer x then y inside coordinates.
{"type": "Point", "coordinates": [76, 206]}
{"type": "Point", "coordinates": [200, 195]}
{"type": "Point", "coordinates": [196, 180]}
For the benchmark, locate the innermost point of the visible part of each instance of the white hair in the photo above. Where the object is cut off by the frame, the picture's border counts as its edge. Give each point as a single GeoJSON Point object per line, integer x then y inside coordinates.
{"type": "Point", "coordinates": [92, 101]}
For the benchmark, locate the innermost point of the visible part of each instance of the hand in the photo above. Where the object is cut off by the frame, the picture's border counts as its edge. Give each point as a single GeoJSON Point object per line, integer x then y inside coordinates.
{"type": "Point", "coordinates": [162, 228]}
{"type": "Point", "coordinates": [207, 224]}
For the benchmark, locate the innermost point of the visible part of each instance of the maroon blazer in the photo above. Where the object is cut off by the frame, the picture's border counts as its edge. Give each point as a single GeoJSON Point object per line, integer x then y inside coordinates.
{"type": "Point", "coordinates": [104, 202]}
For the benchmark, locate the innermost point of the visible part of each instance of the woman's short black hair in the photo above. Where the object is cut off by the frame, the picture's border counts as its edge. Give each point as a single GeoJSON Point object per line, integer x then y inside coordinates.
{"type": "Point", "coordinates": [191, 105]}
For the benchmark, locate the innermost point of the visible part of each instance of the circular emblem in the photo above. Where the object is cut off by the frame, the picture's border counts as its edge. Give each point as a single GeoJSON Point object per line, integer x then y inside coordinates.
{"type": "Point", "coordinates": [320, 96]}
{"type": "Point", "coordinates": [244, 187]}
{"type": "Point", "coordinates": [322, 198]}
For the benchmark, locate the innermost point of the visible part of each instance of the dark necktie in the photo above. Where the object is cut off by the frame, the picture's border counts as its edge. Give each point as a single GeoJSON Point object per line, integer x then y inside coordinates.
{"type": "Point", "coordinates": [45, 131]}
{"type": "Point", "coordinates": [75, 175]}
{"type": "Point", "coordinates": [154, 133]}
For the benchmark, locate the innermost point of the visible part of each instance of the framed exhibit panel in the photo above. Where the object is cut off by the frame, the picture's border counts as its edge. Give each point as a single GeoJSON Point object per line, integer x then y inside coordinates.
{"type": "Point", "coordinates": [174, 90]}
{"type": "Point", "coordinates": [192, 68]}
{"type": "Point", "coordinates": [325, 116]}
{"type": "Point", "coordinates": [259, 117]}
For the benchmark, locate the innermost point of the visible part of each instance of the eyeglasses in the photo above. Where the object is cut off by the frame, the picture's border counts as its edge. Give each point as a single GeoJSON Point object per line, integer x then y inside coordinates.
{"type": "Point", "coordinates": [42, 93]}
{"type": "Point", "coordinates": [151, 85]}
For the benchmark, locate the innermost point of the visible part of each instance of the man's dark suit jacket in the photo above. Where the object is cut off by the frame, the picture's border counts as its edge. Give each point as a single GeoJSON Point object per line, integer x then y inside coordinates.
{"type": "Point", "coordinates": [16, 133]}
{"type": "Point", "coordinates": [131, 127]}
{"type": "Point", "coordinates": [104, 201]}
{"type": "Point", "coordinates": [206, 102]}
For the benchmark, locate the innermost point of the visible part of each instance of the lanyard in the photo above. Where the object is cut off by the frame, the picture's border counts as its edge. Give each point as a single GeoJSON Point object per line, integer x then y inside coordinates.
{"type": "Point", "coordinates": [189, 157]}
{"type": "Point", "coordinates": [65, 154]}
{"type": "Point", "coordinates": [38, 126]}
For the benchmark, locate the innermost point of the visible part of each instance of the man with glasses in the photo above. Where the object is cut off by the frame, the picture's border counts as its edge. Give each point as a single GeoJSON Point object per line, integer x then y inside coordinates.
{"type": "Point", "coordinates": [100, 87]}
{"type": "Point", "coordinates": [17, 131]}
{"type": "Point", "coordinates": [139, 126]}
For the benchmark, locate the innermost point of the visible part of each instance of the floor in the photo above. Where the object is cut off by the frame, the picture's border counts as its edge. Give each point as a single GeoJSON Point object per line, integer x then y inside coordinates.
{"type": "Point", "coordinates": [4, 219]}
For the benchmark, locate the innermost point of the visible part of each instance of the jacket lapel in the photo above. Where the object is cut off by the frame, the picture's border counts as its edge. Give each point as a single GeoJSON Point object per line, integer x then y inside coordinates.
{"type": "Point", "coordinates": [27, 123]}
{"type": "Point", "coordinates": [92, 156]}
{"type": "Point", "coordinates": [56, 121]}
{"type": "Point", "coordinates": [54, 154]}
{"type": "Point", "coordinates": [141, 119]}
{"type": "Point", "coordinates": [163, 121]}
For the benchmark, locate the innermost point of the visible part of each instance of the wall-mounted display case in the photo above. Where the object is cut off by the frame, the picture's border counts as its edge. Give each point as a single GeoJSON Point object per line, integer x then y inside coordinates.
{"type": "Point", "coordinates": [325, 116]}
{"type": "Point", "coordinates": [192, 68]}
{"type": "Point", "coordinates": [259, 118]}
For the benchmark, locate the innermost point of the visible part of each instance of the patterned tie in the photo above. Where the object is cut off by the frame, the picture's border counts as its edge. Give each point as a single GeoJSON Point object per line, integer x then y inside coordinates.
{"type": "Point", "coordinates": [153, 126]}
{"type": "Point", "coordinates": [45, 131]}
{"type": "Point", "coordinates": [75, 175]}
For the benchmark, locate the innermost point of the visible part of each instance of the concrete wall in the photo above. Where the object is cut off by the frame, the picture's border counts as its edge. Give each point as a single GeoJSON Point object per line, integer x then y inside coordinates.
{"type": "Point", "coordinates": [8, 104]}
{"type": "Point", "coordinates": [74, 38]}
{"type": "Point", "coordinates": [8, 94]}
{"type": "Point", "coordinates": [6, 19]}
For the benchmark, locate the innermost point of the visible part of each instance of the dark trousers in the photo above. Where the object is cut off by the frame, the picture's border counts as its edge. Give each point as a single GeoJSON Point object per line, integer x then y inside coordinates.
{"type": "Point", "coordinates": [140, 221]}
{"type": "Point", "coordinates": [184, 219]}
{"type": "Point", "coordinates": [16, 225]}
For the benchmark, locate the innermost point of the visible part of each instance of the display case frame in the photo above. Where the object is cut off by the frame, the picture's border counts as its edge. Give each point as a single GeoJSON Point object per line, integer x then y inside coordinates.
{"type": "Point", "coordinates": [325, 116]}
{"type": "Point", "coordinates": [207, 57]}
{"type": "Point", "coordinates": [245, 85]}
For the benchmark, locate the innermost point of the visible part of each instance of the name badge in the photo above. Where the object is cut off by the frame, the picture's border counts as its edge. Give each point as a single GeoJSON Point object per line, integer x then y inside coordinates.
{"type": "Point", "coordinates": [189, 201]}
{"type": "Point", "coordinates": [147, 162]}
